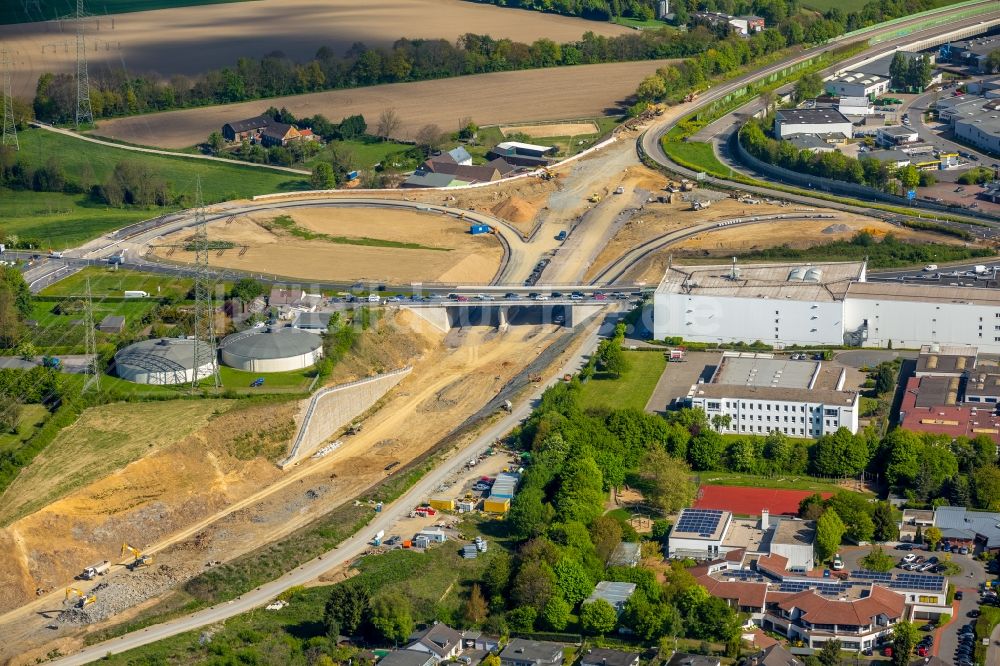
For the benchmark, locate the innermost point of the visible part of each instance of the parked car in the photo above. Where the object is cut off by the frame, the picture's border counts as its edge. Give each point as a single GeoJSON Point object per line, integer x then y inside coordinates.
{"type": "Point", "coordinates": [930, 626]}
{"type": "Point", "coordinates": [904, 546]}
{"type": "Point", "coordinates": [973, 613]}
{"type": "Point", "coordinates": [959, 595]}
{"type": "Point", "coordinates": [963, 551]}
{"type": "Point", "coordinates": [909, 557]}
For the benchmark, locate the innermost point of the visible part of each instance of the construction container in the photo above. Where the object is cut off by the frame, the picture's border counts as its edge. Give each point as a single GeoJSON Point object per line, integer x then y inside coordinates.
{"type": "Point", "coordinates": [421, 542]}
{"type": "Point", "coordinates": [442, 503]}
{"type": "Point", "coordinates": [477, 229]}
{"type": "Point", "coordinates": [407, 544]}
{"type": "Point", "coordinates": [501, 505]}
{"type": "Point", "coordinates": [466, 505]}
{"type": "Point", "coordinates": [470, 552]}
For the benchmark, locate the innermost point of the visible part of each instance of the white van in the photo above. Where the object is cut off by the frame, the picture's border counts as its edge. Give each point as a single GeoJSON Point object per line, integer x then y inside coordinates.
{"type": "Point", "coordinates": [930, 267]}
{"type": "Point", "coordinates": [374, 298]}
{"type": "Point", "coordinates": [838, 564]}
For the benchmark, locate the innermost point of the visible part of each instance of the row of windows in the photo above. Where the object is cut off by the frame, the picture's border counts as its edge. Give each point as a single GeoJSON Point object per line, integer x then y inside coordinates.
{"type": "Point", "coordinates": [716, 405]}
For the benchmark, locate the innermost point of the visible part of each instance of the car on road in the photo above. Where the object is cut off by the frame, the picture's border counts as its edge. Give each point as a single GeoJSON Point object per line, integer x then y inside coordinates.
{"type": "Point", "coordinates": [561, 236]}
{"type": "Point", "coordinates": [511, 296]}
{"type": "Point", "coordinates": [600, 297]}
{"type": "Point", "coordinates": [576, 296]}
{"type": "Point", "coordinates": [930, 267]}
{"type": "Point", "coordinates": [542, 297]}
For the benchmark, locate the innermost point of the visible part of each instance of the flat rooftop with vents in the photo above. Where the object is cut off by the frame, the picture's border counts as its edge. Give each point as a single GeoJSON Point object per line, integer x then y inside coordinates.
{"type": "Point", "coordinates": [812, 282]}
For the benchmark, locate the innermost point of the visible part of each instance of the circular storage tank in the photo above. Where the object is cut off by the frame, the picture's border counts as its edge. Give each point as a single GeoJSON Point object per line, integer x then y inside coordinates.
{"type": "Point", "coordinates": [271, 350]}
{"type": "Point", "coordinates": [162, 361]}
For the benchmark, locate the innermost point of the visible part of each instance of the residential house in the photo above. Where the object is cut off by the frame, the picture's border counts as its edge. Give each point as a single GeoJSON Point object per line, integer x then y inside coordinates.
{"type": "Point", "coordinates": [775, 655]}
{"type": "Point", "coordinates": [245, 130]}
{"type": "Point", "coordinates": [605, 657]}
{"type": "Point", "coordinates": [440, 640]}
{"type": "Point", "coordinates": [685, 659]}
{"type": "Point", "coordinates": [279, 134]}
{"type": "Point", "coordinates": [522, 652]}
{"type": "Point", "coordinates": [407, 658]}
{"type": "Point", "coordinates": [112, 324]}
{"type": "Point", "coordinates": [281, 296]}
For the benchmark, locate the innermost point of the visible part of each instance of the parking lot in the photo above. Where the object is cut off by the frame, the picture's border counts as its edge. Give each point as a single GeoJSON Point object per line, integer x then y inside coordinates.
{"type": "Point", "coordinates": [967, 582]}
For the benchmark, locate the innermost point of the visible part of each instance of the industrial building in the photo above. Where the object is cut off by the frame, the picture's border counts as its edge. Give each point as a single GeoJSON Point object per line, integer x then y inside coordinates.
{"type": "Point", "coordinates": [818, 121]}
{"type": "Point", "coordinates": [971, 52]}
{"type": "Point", "coordinates": [856, 84]}
{"type": "Point", "coordinates": [819, 304]}
{"type": "Point", "coordinates": [271, 349]}
{"type": "Point", "coordinates": [761, 394]}
{"type": "Point", "coordinates": [959, 526]}
{"type": "Point", "coordinates": [162, 361]}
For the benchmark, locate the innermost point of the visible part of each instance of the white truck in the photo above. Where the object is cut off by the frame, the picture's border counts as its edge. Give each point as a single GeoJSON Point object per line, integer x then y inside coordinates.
{"type": "Point", "coordinates": [979, 269]}
{"type": "Point", "coordinates": [95, 570]}
{"type": "Point", "coordinates": [136, 294]}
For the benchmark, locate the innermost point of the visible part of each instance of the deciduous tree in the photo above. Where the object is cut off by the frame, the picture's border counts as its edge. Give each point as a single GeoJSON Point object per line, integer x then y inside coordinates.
{"type": "Point", "coordinates": [389, 615]}
{"type": "Point", "coordinates": [829, 533]}
{"type": "Point", "coordinates": [598, 618]}
{"type": "Point", "coordinates": [670, 485]}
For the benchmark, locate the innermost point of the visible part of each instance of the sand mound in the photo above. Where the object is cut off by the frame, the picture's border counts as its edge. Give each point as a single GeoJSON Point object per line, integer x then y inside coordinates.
{"type": "Point", "coordinates": [837, 229]}
{"type": "Point", "coordinates": [515, 209]}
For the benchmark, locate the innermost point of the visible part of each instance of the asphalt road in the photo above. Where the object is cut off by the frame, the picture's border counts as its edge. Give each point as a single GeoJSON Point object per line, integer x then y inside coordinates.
{"type": "Point", "coordinates": [650, 140]}
{"type": "Point", "coordinates": [348, 550]}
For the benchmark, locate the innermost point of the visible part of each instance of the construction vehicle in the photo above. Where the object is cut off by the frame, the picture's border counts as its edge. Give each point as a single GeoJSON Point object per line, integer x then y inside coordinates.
{"type": "Point", "coordinates": [507, 406]}
{"type": "Point", "coordinates": [691, 96]}
{"type": "Point", "coordinates": [140, 560]}
{"type": "Point", "coordinates": [353, 429]}
{"type": "Point", "coordinates": [95, 570]}
{"type": "Point", "coordinates": [687, 185]}
{"type": "Point", "coordinates": [700, 205]}
{"type": "Point", "coordinates": [545, 174]}
{"type": "Point", "coordinates": [594, 198]}
{"type": "Point", "coordinates": [534, 378]}
{"type": "Point", "coordinates": [81, 599]}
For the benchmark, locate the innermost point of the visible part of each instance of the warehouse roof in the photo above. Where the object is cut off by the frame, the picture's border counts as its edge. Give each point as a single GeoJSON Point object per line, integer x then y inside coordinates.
{"type": "Point", "coordinates": [764, 370]}
{"type": "Point", "coordinates": [819, 116]}
{"type": "Point", "coordinates": [271, 343]}
{"type": "Point", "coordinates": [923, 293]}
{"type": "Point", "coordinates": [811, 282]}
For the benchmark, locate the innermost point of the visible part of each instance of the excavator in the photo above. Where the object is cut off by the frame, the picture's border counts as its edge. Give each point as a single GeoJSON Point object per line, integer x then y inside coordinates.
{"type": "Point", "coordinates": [82, 599]}
{"type": "Point", "coordinates": [140, 559]}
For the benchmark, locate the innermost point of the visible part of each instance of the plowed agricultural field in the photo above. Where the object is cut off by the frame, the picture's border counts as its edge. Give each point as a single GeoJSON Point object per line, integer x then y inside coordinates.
{"type": "Point", "coordinates": [189, 40]}
{"type": "Point", "coordinates": [503, 97]}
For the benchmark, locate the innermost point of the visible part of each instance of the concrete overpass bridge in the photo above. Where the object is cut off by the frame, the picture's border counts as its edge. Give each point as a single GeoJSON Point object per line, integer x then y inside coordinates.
{"type": "Point", "coordinates": [446, 315]}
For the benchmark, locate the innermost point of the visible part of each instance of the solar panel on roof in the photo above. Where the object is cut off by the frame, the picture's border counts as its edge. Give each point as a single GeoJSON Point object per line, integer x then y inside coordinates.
{"type": "Point", "coordinates": [703, 522]}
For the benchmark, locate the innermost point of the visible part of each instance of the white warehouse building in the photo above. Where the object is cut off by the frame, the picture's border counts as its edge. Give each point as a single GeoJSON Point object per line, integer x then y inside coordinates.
{"type": "Point", "coordinates": [820, 304]}
{"type": "Point", "coordinates": [762, 394]}
{"type": "Point", "coordinates": [821, 121]}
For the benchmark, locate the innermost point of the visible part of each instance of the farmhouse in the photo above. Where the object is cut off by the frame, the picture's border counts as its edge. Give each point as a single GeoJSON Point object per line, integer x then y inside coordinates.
{"type": "Point", "coordinates": [522, 154]}
{"type": "Point", "coordinates": [245, 130]}
{"type": "Point", "coordinates": [280, 134]}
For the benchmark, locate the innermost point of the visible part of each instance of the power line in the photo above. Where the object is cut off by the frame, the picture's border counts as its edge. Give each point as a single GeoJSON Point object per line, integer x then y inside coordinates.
{"type": "Point", "coordinates": [93, 370]}
{"type": "Point", "coordinates": [205, 352]}
{"type": "Point", "coordinates": [84, 112]}
{"type": "Point", "coordinates": [9, 126]}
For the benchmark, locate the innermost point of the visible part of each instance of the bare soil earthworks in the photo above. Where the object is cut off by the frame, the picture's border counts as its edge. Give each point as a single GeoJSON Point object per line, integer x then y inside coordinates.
{"type": "Point", "coordinates": [460, 257]}
{"type": "Point", "coordinates": [197, 504]}
{"type": "Point", "coordinates": [552, 129]}
{"type": "Point", "coordinates": [189, 40]}
{"type": "Point", "coordinates": [711, 246]}
{"type": "Point", "coordinates": [489, 99]}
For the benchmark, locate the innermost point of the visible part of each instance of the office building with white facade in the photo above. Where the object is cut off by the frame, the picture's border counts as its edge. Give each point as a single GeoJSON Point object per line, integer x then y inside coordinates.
{"type": "Point", "coordinates": [761, 394]}
{"type": "Point", "coordinates": [820, 304]}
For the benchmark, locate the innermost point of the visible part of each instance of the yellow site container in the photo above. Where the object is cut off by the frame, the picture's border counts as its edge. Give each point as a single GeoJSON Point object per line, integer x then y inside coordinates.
{"type": "Point", "coordinates": [496, 505]}
{"type": "Point", "coordinates": [445, 504]}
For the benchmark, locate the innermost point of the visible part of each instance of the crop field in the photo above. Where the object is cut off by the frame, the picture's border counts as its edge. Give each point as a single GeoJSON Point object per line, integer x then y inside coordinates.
{"type": "Point", "coordinates": [583, 91]}
{"type": "Point", "coordinates": [47, 10]}
{"type": "Point", "coordinates": [632, 389]}
{"type": "Point", "coordinates": [64, 220]}
{"type": "Point", "coordinates": [225, 32]}
{"type": "Point", "coordinates": [103, 439]}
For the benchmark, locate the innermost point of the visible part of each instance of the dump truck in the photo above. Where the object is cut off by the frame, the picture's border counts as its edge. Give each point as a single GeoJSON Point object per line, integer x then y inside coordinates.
{"type": "Point", "coordinates": [95, 570]}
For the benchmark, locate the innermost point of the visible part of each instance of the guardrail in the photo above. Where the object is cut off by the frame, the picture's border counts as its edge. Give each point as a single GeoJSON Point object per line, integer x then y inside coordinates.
{"type": "Point", "coordinates": [903, 19]}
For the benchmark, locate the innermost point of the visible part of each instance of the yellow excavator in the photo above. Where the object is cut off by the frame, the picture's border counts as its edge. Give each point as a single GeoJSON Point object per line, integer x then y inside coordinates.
{"type": "Point", "coordinates": [81, 598]}
{"type": "Point", "coordinates": [140, 559]}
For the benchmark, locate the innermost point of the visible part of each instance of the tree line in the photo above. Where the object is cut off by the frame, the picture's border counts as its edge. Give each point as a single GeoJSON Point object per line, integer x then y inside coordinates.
{"type": "Point", "coordinates": [832, 164]}
{"type": "Point", "coordinates": [115, 92]}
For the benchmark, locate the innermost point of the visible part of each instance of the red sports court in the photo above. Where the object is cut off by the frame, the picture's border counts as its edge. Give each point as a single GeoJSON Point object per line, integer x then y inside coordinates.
{"type": "Point", "coordinates": [746, 501]}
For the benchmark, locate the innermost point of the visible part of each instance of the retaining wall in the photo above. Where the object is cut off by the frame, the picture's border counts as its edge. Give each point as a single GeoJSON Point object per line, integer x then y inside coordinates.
{"type": "Point", "coordinates": [332, 408]}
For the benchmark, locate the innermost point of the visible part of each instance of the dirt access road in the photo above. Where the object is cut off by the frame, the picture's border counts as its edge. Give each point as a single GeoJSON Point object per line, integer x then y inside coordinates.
{"type": "Point", "coordinates": [351, 548]}
{"type": "Point", "coordinates": [215, 36]}
{"type": "Point", "coordinates": [464, 371]}
{"type": "Point", "coordinates": [489, 99]}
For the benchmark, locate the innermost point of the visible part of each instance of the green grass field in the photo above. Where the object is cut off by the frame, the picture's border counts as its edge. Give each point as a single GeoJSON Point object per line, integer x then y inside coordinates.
{"type": "Point", "coordinates": [15, 11]}
{"type": "Point", "coordinates": [31, 417]}
{"type": "Point", "coordinates": [651, 24]}
{"type": "Point", "coordinates": [632, 389]}
{"type": "Point", "coordinates": [62, 220]}
{"type": "Point", "coordinates": [297, 380]}
{"type": "Point", "coordinates": [366, 153]}
{"type": "Point", "coordinates": [568, 145]}
{"type": "Point", "coordinates": [107, 282]}
{"type": "Point", "coordinates": [696, 155]}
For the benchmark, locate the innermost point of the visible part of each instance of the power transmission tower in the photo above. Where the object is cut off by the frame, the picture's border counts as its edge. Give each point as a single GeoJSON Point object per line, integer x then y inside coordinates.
{"type": "Point", "coordinates": [9, 127]}
{"type": "Point", "coordinates": [205, 352]}
{"type": "Point", "coordinates": [84, 112]}
{"type": "Point", "coordinates": [93, 371]}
